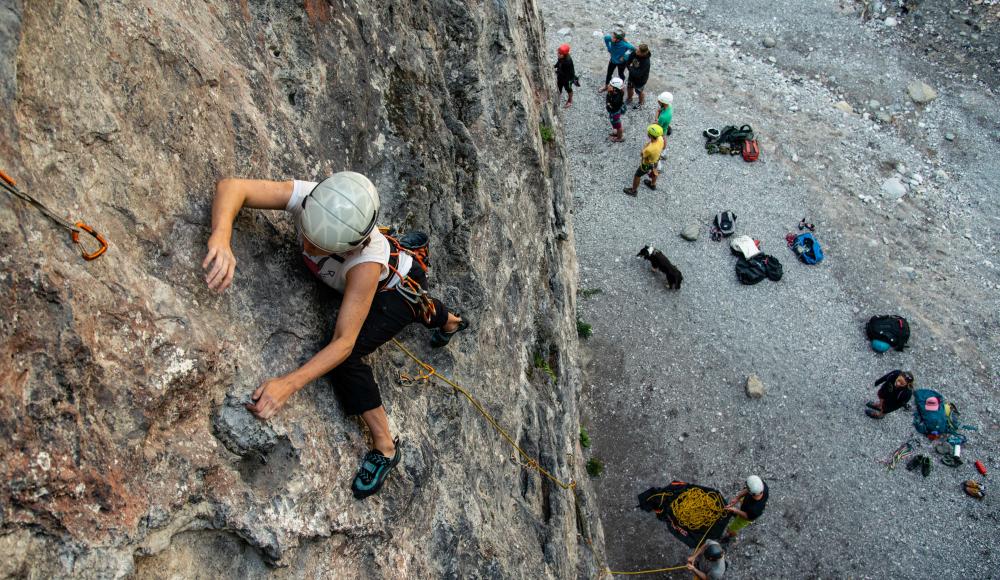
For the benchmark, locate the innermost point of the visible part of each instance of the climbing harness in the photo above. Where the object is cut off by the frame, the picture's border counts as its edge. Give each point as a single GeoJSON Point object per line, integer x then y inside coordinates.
{"type": "Point", "coordinates": [415, 245]}
{"type": "Point", "coordinates": [10, 186]}
{"type": "Point", "coordinates": [430, 372]}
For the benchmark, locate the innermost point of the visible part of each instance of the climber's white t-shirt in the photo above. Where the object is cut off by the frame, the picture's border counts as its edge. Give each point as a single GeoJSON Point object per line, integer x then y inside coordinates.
{"type": "Point", "coordinates": [333, 269]}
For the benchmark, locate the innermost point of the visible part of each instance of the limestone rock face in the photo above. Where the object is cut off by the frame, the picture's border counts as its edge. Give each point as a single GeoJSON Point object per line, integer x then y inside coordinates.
{"type": "Point", "coordinates": [124, 443]}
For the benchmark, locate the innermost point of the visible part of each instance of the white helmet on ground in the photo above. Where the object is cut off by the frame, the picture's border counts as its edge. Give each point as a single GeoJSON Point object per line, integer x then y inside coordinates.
{"type": "Point", "coordinates": [617, 83]}
{"type": "Point", "coordinates": [339, 213]}
{"type": "Point", "coordinates": [666, 97]}
{"type": "Point", "coordinates": [755, 485]}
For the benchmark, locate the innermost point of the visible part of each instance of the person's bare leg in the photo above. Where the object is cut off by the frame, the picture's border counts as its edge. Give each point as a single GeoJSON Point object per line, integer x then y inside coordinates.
{"type": "Point", "coordinates": [642, 98]}
{"type": "Point", "coordinates": [652, 179]}
{"type": "Point", "coordinates": [452, 324]}
{"type": "Point", "coordinates": [378, 425]}
{"type": "Point", "coordinates": [628, 98]}
{"type": "Point", "coordinates": [635, 184]}
{"type": "Point", "coordinates": [569, 102]}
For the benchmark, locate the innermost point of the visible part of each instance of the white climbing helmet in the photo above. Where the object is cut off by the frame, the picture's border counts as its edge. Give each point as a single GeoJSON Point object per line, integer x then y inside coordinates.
{"type": "Point", "coordinates": [617, 83]}
{"type": "Point", "coordinates": [755, 485]}
{"type": "Point", "coordinates": [339, 213]}
{"type": "Point", "coordinates": [666, 97]}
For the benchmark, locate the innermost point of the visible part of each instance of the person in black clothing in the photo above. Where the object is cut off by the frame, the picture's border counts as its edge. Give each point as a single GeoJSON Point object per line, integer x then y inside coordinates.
{"type": "Point", "coordinates": [565, 74]}
{"type": "Point", "coordinates": [615, 105]}
{"type": "Point", "coordinates": [894, 392]}
{"type": "Point", "coordinates": [638, 74]}
{"type": "Point", "coordinates": [754, 499]}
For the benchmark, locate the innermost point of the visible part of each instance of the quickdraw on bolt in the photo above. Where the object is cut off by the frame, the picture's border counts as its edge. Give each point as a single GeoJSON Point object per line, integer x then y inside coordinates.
{"type": "Point", "coordinates": [10, 186]}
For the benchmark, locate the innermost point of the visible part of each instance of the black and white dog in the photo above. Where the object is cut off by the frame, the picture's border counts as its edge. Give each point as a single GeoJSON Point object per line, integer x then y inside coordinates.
{"type": "Point", "coordinates": [660, 262]}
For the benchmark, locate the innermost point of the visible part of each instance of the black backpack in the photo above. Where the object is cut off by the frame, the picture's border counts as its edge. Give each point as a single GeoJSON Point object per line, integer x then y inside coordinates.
{"type": "Point", "coordinates": [725, 222]}
{"type": "Point", "coordinates": [757, 268]}
{"type": "Point", "coordinates": [894, 330]}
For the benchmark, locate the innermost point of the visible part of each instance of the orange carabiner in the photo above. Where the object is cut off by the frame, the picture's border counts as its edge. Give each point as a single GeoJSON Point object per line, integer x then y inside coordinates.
{"type": "Point", "coordinates": [96, 253]}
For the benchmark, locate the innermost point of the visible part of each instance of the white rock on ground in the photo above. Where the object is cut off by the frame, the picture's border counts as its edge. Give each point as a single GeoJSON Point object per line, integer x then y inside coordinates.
{"type": "Point", "coordinates": [893, 188]}
{"type": "Point", "coordinates": [754, 387]}
{"type": "Point", "coordinates": [920, 92]}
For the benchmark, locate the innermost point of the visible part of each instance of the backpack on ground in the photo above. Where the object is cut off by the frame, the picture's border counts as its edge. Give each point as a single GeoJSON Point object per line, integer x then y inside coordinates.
{"type": "Point", "coordinates": [729, 140]}
{"type": "Point", "coordinates": [930, 422]}
{"type": "Point", "coordinates": [725, 222]}
{"type": "Point", "coordinates": [807, 248]}
{"type": "Point", "coordinates": [751, 150]}
{"type": "Point", "coordinates": [753, 270]}
{"type": "Point", "coordinates": [893, 330]}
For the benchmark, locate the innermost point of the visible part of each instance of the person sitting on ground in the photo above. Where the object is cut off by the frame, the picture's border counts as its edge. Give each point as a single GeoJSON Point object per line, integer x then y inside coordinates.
{"type": "Point", "coordinates": [341, 245]}
{"type": "Point", "coordinates": [638, 75]}
{"type": "Point", "coordinates": [619, 52]}
{"type": "Point", "coordinates": [712, 564]}
{"type": "Point", "coordinates": [894, 392]}
{"type": "Point", "coordinates": [614, 102]}
{"type": "Point", "coordinates": [650, 157]}
{"type": "Point", "coordinates": [754, 498]}
{"type": "Point", "coordinates": [666, 113]}
{"type": "Point", "coordinates": [565, 74]}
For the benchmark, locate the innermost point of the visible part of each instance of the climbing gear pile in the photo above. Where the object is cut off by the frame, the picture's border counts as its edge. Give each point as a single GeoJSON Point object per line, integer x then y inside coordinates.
{"type": "Point", "coordinates": [902, 452]}
{"type": "Point", "coordinates": [729, 140]}
{"type": "Point", "coordinates": [10, 186]}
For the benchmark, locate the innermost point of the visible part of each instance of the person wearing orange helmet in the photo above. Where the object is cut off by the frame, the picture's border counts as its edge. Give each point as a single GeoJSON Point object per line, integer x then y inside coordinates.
{"type": "Point", "coordinates": [565, 74]}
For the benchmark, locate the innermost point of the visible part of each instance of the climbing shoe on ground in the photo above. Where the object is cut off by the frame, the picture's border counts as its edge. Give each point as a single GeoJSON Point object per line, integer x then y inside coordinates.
{"type": "Point", "coordinates": [649, 183]}
{"type": "Point", "coordinates": [441, 338]}
{"type": "Point", "coordinates": [913, 463]}
{"type": "Point", "coordinates": [873, 414]}
{"type": "Point", "coordinates": [374, 469]}
{"type": "Point", "coordinates": [951, 460]}
{"type": "Point", "coordinates": [630, 191]}
{"type": "Point", "coordinates": [872, 405]}
{"type": "Point", "coordinates": [925, 465]}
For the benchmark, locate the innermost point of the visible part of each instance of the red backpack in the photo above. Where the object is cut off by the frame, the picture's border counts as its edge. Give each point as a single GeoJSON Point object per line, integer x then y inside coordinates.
{"type": "Point", "coordinates": [751, 150]}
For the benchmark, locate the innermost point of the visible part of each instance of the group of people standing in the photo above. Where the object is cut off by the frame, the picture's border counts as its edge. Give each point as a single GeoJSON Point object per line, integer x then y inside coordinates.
{"type": "Point", "coordinates": [621, 92]}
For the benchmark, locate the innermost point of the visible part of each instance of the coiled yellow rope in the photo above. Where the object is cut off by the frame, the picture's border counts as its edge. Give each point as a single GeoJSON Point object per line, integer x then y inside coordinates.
{"type": "Point", "coordinates": [695, 509]}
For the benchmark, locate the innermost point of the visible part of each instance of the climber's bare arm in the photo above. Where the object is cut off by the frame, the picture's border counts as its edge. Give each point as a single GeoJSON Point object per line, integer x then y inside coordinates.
{"type": "Point", "coordinates": [362, 281]}
{"type": "Point", "coordinates": [230, 196]}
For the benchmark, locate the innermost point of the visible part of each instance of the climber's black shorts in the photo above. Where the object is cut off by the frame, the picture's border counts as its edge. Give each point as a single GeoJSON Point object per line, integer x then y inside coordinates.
{"type": "Point", "coordinates": [390, 313]}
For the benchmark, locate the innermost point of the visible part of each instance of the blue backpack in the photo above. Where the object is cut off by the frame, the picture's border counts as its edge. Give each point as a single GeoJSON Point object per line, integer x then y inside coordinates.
{"type": "Point", "coordinates": [806, 247]}
{"type": "Point", "coordinates": [930, 422]}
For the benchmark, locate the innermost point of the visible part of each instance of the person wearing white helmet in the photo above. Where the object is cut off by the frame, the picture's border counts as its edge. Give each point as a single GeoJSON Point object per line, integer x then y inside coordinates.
{"type": "Point", "coordinates": [381, 284]}
{"type": "Point", "coordinates": [752, 499]}
{"type": "Point", "coordinates": [666, 113]}
{"type": "Point", "coordinates": [614, 103]}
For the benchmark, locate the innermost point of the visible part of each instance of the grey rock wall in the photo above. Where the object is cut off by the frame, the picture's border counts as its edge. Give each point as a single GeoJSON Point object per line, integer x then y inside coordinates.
{"type": "Point", "coordinates": [125, 451]}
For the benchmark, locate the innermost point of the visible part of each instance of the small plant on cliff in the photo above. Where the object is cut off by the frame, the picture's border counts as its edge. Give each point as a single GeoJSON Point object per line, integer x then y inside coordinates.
{"type": "Point", "coordinates": [542, 364]}
{"type": "Point", "coordinates": [584, 438]}
{"type": "Point", "coordinates": [583, 329]}
{"type": "Point", "coordinates": [589, 292]}
{"type": "Point", "coordinates": [547, 134]}
{"type": "Point", "coordinates": [595, 467]}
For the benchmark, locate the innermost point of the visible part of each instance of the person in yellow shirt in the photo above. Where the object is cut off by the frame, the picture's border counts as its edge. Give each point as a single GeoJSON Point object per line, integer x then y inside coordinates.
{"type": "Point", "coordinates": [650, 156]}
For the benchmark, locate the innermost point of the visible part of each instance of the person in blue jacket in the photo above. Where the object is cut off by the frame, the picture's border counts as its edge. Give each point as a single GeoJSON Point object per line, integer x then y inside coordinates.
{"type": "Point", "coordinates": [620, 52]}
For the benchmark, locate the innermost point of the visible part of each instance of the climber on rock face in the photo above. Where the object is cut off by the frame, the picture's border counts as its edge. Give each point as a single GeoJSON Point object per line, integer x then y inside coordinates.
{"type": "Point", "coordinates": [382, 285]}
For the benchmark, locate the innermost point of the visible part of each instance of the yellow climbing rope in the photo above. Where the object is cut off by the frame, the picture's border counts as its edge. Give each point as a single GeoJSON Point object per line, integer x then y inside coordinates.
{"type": "Point", "coordinates": [696, 509]}
{"type": "Point", "coordinates": [430, 372]}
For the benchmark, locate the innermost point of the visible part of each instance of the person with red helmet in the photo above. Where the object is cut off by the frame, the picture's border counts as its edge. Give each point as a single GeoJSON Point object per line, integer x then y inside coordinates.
{"type": "Point", "coordinates": [565, 74]}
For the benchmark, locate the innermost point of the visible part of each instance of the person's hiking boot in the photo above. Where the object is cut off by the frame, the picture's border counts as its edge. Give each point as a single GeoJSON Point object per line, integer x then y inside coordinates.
{"type": "Point", "coordinates": [373, 472]}
{"type": "Point", "coordinates": [649, 183]}
{"type": "Point", "coordinates": [925, 465]}
{"type": "Point", "coordinates": [441, 338]}
{"type": "Point", "coordinates": [636, 106]}
{"type": "Point", "coordinates": [630, 191]}
{"type": "Point", "coordinates": [873, 414]}
{"type": "Point", "coordinates": [872, 405]}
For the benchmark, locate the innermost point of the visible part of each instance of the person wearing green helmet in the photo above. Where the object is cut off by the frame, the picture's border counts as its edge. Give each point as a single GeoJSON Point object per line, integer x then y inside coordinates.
{"type": "Point", "coordinates": [650, 156]}
{"type": "Point", "coordinates": [376, 279]}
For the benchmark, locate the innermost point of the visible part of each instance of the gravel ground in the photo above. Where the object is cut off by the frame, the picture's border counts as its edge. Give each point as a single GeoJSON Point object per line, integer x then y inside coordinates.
{"type": "Point", "coordinates": [666, 370]}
